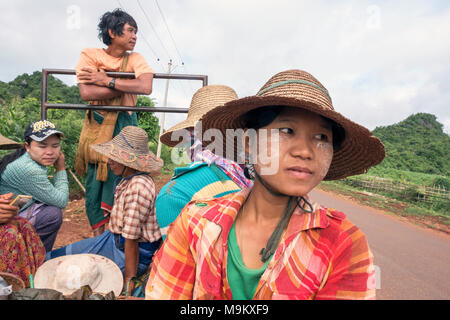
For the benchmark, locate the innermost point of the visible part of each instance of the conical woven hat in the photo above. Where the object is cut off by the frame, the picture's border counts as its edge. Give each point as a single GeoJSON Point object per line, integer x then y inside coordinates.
{"type": "Point", "coordinates": [204, 100]}
{"type": "Point", "coordinates": [130, 148]}
{"type": "Point", "coordinates": [6, 144]}
{"type": "Point", "coordinates": [359, 151]}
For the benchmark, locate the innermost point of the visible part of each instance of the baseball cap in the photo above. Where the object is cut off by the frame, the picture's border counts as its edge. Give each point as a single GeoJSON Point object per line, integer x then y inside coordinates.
{"type": "Point", "coordinates": [41, 130]}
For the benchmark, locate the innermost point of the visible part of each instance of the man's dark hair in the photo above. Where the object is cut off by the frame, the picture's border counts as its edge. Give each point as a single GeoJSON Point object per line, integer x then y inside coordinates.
{"type": "Point", "coordinates": [115, 21]}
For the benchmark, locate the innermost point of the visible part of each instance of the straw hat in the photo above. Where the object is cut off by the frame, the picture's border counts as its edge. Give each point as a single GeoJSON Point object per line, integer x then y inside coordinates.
{"type": "Point", "coordinates": [204, 100]}
{"type": "Point", "coordinates": [359, 151]}
{"type": "Point", "coordinates": [6, 144]}
{"type": "Point", "coordinates": [67, 274]}
{"type": "Point", "coordinates": [13, 280]}
{"type": "Point", "coordinates": [130, 148]}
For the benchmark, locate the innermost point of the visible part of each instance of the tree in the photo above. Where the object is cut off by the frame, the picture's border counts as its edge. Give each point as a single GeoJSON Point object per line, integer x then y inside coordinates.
{"type": "Point", "coordinates": [147, 120]}
{"type": "Point", "coordinates": [417, 144]}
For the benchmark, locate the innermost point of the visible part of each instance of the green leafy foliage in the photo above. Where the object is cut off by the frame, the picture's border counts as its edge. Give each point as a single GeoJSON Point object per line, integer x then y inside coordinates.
{"type": "Point", "coordinates": [150, 123]}
{"type": "Point", "coordinates": [147, 120]}
{"type": "Point", "coordinates": [417, 155]}
{"type": "Point", "coordinates": [416, 144]}
{"type": "Point", "coordinates": [27, 85]}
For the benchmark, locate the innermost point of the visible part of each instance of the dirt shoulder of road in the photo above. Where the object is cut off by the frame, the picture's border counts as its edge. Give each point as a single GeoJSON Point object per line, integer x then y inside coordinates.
{"type": "Point", "coordinates": [76, 226]}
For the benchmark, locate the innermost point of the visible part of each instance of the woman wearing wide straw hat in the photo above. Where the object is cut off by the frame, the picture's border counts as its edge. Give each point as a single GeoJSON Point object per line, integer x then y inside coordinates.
{"type": "Point", "coordinates": [209, 175]}
{"type": "Point", "coordinates": [133, 234]}
{"type": "Point", "coordinates": [270, 241]}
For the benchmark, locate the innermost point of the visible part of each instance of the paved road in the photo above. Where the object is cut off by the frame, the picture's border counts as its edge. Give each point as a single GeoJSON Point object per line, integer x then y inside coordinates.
{"type": "Point", "coordinates": [412, 262]}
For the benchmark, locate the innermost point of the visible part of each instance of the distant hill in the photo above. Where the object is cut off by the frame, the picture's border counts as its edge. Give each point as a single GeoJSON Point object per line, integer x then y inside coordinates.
{"type": "Point", "coordinates": [27, 85]}
{"type": "Point", "coordinates": [417, 144]}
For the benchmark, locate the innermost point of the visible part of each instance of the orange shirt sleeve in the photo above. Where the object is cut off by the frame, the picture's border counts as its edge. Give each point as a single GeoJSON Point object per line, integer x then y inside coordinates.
{"type": "Point", "coordinates": [139, 65]}
{"type": "Point", "coordinates": [86, 60]}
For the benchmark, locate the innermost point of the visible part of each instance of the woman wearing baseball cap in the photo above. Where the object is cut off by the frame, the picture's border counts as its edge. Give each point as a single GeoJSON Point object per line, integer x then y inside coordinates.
{"type": "Point", "coordinates": [21, 249]}
{"type": "Point", "coordinates": [24, 172]}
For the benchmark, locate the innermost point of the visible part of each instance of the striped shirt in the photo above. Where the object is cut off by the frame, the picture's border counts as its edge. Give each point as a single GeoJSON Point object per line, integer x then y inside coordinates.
{"type": "Point", "coordinates": [133, 214]}
{"type": "Point", "coordinates": [321, 255]}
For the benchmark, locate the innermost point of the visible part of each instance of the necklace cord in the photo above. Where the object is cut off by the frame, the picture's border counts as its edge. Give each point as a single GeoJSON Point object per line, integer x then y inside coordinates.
{"type": "Point", "coordinates": [274, 239]}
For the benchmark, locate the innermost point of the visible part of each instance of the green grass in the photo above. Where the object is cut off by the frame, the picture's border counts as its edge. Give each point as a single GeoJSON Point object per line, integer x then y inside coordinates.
{"type": "Point", "coordinates": [385, 202]}
{"type": "Point", "coordinates": [417, 178]}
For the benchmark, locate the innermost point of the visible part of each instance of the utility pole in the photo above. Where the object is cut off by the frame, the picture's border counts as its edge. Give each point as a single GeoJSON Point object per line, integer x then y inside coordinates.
{"type": "Point", "coordinates": [163, 117]}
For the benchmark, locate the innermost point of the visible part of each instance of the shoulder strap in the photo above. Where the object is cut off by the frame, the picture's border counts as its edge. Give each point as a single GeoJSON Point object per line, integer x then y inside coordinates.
{"type": "Point", "coordinates": [123, 68]}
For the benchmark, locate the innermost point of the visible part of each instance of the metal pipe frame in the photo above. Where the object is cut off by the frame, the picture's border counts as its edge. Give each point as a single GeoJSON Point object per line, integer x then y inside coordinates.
{"type": "Point", "coordinates": [45, 105]}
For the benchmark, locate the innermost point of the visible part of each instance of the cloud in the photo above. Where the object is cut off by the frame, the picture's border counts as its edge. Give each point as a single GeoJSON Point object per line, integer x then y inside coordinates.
{"type": "Point", "coordinates": [381, 61]}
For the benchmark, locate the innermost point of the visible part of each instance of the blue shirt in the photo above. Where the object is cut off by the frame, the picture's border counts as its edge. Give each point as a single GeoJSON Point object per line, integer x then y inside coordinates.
{"type": "Point", "coordinates": [193, 182]}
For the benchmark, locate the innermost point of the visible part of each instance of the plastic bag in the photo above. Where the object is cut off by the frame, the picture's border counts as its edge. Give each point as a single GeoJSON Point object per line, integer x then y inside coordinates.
{"type": "Point", "coordinates": [84, 293]}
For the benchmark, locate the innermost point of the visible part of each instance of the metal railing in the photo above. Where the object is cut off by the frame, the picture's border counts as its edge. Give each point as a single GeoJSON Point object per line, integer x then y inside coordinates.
{"type": "Point", "coordinates": [45, 105]}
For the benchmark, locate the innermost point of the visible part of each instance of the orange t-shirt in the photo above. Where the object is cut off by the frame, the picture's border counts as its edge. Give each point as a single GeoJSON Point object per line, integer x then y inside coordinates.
{"type": "Point", "coordinates": [97, 58]}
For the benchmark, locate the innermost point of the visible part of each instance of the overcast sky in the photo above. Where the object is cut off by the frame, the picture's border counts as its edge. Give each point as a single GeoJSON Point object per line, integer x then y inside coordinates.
{"type": "Point", "coordinates": [381, 61]}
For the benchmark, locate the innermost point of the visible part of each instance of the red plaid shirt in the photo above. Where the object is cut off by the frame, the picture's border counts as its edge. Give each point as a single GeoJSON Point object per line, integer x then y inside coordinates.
{"type": "Point", "coordinates": [133, 214]}
{"type": "Point", "coordinates": [321, 255]}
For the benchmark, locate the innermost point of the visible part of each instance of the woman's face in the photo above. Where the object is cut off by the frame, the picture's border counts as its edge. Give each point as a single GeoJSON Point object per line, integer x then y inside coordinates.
{"type": "Point", "coordinates": [299, 152]}
{"type": "Point", "coordinates": [116, 167]}
{"type": "Point", "coordinates": [45, 152]}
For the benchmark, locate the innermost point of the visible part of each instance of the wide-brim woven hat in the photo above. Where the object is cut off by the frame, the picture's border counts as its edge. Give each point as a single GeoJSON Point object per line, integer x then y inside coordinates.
{"type": "Point", "coordinates": [205, 99]}
{"type": "Point", "coordinates": [69, 273]}
{"type": "Point", "coordinates": [130, 148]}
{"type": "Point", "coordinates": [7, 144]}
{"type": "Point", "coordinates": [13, 280]}
{"type": "Point", "coordinates": [359, 151]}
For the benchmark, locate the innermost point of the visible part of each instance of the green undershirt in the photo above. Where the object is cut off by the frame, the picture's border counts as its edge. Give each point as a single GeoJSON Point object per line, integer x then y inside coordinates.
{"type": "Point", "coordinates": [243, 281]}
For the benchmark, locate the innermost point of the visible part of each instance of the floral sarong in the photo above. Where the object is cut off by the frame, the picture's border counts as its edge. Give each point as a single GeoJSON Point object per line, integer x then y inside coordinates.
{"type": "Point", "coordinates": [21, 249]}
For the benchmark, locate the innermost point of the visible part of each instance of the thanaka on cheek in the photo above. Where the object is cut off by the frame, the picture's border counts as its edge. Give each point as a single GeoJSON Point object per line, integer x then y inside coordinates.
{"type": "Point", "coordinates": [326, 149]}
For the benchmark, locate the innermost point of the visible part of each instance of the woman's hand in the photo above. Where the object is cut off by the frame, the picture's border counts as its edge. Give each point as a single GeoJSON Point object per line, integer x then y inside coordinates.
{"type": "Point", "coordinates": [60, 163]}
{"type": "Point", "coordinates": [7, 212]}
{"type": "Point", "coordinates": [131, 263]}
{"type": "Point", "coordinates": [128, 286]}
{"type": "Point", "coordinates": [91, 76]}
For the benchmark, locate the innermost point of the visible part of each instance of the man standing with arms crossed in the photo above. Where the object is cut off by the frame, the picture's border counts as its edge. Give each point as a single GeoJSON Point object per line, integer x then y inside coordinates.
{"type": "Point", "coordinates": [117, 30]}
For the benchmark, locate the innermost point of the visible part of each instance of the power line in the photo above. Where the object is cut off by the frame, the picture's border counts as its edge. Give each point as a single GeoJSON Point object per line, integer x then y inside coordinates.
{"type": "Point", "coordinates": [173, 40]}
{"type": "Point", "coordinates": [165, 22]}
{"type": "Point", "coordinates": [151, 25]}
{"type": "Point", "coordinates": [158, 60]}
{"type": "Point", "coordinates": [145, 39]}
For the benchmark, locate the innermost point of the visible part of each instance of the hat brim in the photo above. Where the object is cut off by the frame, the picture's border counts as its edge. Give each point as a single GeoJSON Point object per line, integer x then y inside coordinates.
{"type": "Point", "coordinates": [359, 151]}
{"type": "Point", "coordinates": [8, 144]}
{"type": "Point", "coordinates": [166, 137]}
{"type": "Point", "coordinates": [13, 280]}
{"type": "Point", "coordinates": [112, 278]}
{"type": "Point", "coordinates": [144, 163]}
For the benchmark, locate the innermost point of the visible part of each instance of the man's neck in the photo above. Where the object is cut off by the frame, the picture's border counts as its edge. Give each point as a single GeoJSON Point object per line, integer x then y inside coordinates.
{"type": "Point", "coordinates": [115, 52]}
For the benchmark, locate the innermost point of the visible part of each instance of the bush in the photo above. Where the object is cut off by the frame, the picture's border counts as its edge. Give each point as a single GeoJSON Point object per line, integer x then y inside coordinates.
{"type": "Point", "coordinates": [442, 182]}
{"type": "Point", "coordinates": [410, 194]}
